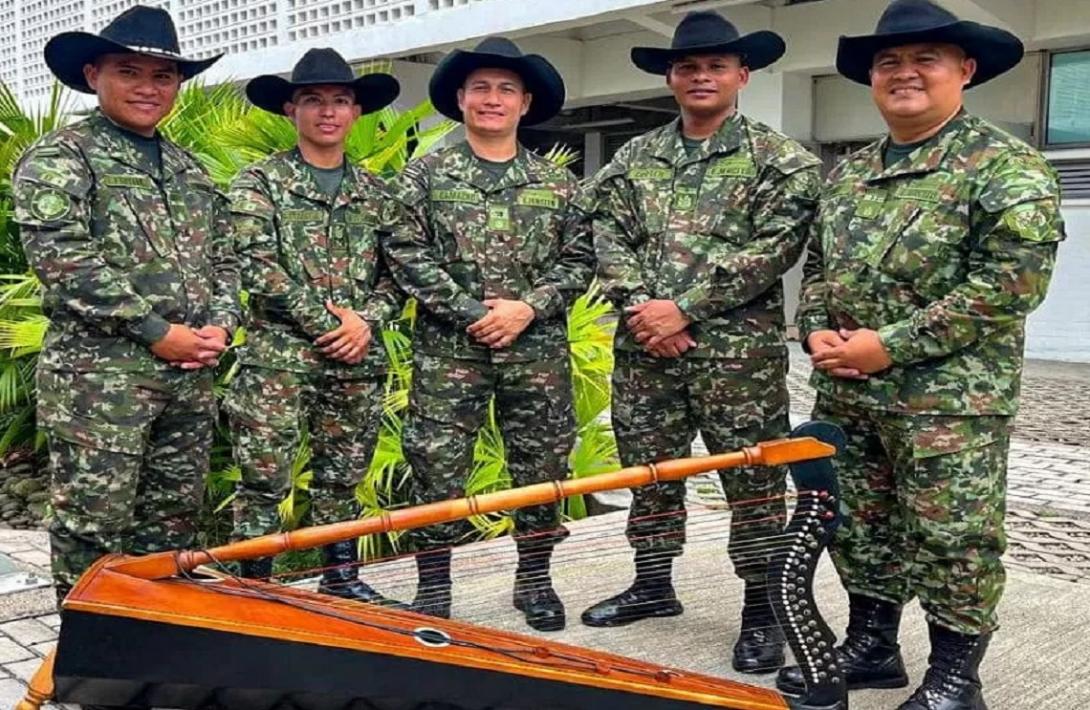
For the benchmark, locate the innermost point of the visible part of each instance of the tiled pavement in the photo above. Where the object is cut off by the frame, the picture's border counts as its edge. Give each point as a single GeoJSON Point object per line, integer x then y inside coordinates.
{"type": "Point", "coordinates": [1048, 522]}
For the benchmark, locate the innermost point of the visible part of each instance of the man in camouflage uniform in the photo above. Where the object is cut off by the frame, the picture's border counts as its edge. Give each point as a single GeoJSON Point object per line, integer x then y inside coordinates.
{"type": "Point", "coordinates": [931, 248]}
{"type": "Point", "coordinates": [304, 223]}
{"type": "Point", "coordinates": [129, 239]}
{"type": "Point", "coordinates": [696, 224]}
{"type": "Point", "coordinates": [494, 246]}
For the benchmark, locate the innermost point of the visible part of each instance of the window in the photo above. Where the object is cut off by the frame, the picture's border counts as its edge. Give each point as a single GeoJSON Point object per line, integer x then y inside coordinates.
{"type": "Point", "coordinates": [1067, 120]}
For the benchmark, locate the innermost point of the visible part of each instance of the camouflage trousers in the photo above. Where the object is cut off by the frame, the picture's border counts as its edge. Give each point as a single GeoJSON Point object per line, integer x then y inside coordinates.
{"type": "Point", "coordinates": [659, 406]}
{"type": "Point", "coordinates": [924, 499]}
{"type": "Point", "coordinates": [449, 404]}
{"type": "Point", "coordinates": [128, 453]}
{"type": "Point", "coordinates": [269, 410]}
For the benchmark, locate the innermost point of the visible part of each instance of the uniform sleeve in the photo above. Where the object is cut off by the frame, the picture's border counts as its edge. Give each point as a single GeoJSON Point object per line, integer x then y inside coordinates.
{"type": "Point", "coordinates": [226, 302]}
{"type": "Point", "coordinates": [413, 257]}
{"type": "Point", "coordinates": [1013, 251]}
{"type": "Point", "coordinates": [257, 244]}
{"type": "Point", "coordinates": [52, 207]}
{"type": "Point", "coordinates": [618, 236]}
{"type": "Point", "coordinates": [570, 276]}
{"type": "Point", "coordinates": [387, 300]}
{"type": "Point", "coordinates": [782, 212]}
{"type": "Point", "coordinates": [813, 313]}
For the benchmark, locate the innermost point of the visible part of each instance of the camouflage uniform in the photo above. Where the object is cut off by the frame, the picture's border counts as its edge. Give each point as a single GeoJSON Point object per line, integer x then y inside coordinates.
{"type": "Point", "coordinates": [944, 254]}
{"type": "Point", "coordinates": [714, 232]}
{"type": "Point", "coordinates": [122, 253]}
{"type": "Point", "coordinates": [463, 237]}
{"type": "Point", "coordinates": [299, 248]}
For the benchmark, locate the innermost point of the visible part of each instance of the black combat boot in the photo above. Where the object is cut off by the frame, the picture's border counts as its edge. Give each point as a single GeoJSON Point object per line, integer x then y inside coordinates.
{"type": "Point", "coordinates": [433, 589]}
{"type": "Point", "coordinates": [759, 648]}
{"type": "Point", "coordinates": [534, 594]}
{"type": "Point", "coordinates": [341, 576]}
{"type": "Point", "coordinates": [651, 594]}
{"type": "Point", "coordinates": [870, 654]}
{"type": "Point", "coordinates": [952, 681]}
{"type": "Point", "coordinates": [260, 568]}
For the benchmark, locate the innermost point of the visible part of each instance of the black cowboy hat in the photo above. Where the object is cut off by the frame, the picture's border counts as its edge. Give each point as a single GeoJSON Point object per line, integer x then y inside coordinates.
{"type": "Point", "coordinates": [911, 21]}
{"type": "Point", "coordinates": [139, 30]}
{"type": "Point", "coordinates": [711, 33]}
{"type": "Point", "coordinates": [541, 78]}
{"type": "Point", "coordinates": [322, 66]}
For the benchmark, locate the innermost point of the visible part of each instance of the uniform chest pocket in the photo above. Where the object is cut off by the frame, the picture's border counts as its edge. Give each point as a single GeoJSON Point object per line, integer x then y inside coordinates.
{"type": "Point", "coordinates": [200, 203]}
{"type": "Point", "coordinates": [460, 228]}
{"type": "Point", "coordinates": [536, 230]}
{"type": "Point", "coordinates": [723, 210]}
{"type": "Point", "coordinates": [137, 213]}
{"type": "Point", "coordinates": [653, 189]}
{"type": "Point", "coordinates": [362, 247]}
{"type": "Point", "coordinates": [928, 249]}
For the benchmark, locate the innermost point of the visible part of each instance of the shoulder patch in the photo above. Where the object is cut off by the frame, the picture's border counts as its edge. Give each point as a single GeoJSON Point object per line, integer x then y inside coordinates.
{"type": "Point", "coordinates": [50, 205]}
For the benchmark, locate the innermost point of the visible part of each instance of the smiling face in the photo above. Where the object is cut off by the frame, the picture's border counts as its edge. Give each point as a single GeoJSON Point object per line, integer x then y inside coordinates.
{"type": "Point", "coordinates": [323, 114]}
{"type": "Point", "coordinates": [134, 91]}
{"type": "Point", "coordinates": [920, 85]}
{"type": "Point", "coordinates": [707, 84]}
{"type": "Point", "coordinates": [493, 101]}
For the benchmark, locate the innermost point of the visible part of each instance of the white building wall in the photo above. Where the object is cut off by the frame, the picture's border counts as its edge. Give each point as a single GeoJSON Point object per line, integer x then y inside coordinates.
{"type": "Point", "coordinates": [1060, 328]}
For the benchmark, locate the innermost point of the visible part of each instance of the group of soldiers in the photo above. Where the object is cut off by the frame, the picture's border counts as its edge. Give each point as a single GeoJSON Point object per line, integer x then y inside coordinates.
{"type": "Point", "coordinates": [926, 251]}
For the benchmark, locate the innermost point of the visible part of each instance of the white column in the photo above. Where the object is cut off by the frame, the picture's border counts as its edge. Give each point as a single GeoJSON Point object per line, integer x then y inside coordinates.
{"type": "Point", "coordinates": [592, 153]}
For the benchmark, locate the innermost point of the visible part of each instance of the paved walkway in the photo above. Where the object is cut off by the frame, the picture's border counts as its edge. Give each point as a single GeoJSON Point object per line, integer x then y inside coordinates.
{"type": "Point", "coordinates": [1044, 610]}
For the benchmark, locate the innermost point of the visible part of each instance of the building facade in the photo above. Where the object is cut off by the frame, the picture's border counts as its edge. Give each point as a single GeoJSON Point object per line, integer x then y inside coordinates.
{"type": "Point", "coordinates": [1045, 101]}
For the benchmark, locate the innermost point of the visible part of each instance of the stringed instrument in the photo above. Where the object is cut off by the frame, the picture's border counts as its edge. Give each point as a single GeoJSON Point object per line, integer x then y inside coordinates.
{"type": "Point", "coordinates": [156, 631]}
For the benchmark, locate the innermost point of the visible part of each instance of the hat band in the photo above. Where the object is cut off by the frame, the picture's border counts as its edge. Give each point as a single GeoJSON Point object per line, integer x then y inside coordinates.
{"type": "Point", "coordinates": [141, 49]}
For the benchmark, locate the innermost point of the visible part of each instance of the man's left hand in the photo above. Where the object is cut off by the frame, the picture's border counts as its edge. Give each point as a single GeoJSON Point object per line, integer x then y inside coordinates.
{"type": "Point", "coordinates": [207, 357]}
{"type": "Point", "coordinates": [504, 322]}
{"type": "Point", "coordinates": [862, 350]}
{"type": "Point", "coordinates": [652, 322]}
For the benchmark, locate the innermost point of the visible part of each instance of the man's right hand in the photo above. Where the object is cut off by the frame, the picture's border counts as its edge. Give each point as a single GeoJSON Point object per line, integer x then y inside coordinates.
{"type": "Point", "coordinates": [675, 345]}
{"type": "Point", "coordinates": [184, 347]}
{"type": "Point", "coordinates": [822, 340]}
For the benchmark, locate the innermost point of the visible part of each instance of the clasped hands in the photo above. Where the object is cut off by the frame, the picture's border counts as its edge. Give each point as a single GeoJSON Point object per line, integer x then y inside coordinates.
{"type": "Point", "coordinates": [189, 348]}
{"type": "Point", "coordinates": [503, 323]}
{"type": "Point", "coordinates": [850, 354]}
{"type": "Point", "coordinates": [660, 327]}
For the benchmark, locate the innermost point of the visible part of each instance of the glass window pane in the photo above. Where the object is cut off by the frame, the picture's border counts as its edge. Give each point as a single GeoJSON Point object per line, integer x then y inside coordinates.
{"type": "Point", "coordinates": [1069, 99]}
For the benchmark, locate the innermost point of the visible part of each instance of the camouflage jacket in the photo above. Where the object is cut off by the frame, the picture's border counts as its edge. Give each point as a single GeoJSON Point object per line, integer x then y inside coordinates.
{"type": "Point", "coordinates": [944, 254]}
{"type": "Point", "coordinates": [300, 248]}
{"type": "Point", "coordinates": [713, 231]}
{"type": "Point", "coordinates": [461, 237]}
{"type": "Point", "coordinates": [121, 252]}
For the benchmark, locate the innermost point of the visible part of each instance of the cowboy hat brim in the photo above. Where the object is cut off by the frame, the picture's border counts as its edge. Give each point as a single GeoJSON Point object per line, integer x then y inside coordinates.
{"type": "Point", "coordinates": [67, 54]}
{"type": "Point", "coordinates": [757, 49]}
{"type": "Point", "coordinates": [373, 91]}
{"type": "Point", "coordinates": [542, 81]}
{"type": "Point", "coordinates": [995, 50]}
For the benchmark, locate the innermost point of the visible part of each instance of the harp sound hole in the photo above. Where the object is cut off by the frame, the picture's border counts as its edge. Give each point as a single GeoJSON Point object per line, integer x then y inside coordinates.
{"type": "Point", "coordinates": [433, 638]}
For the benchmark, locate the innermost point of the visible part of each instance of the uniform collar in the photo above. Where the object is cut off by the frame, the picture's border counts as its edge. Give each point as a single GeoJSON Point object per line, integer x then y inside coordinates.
{"type": "Point", "coordinates": [671, 148]}
{"type": "Point", "coordinates": [303, 183]}
{"type": "Point", "coordinates": [119, 145]}
{"type": "Point", "coordinates": [928, 158]}
{"type": "Point", "coordinates": [462, 164]}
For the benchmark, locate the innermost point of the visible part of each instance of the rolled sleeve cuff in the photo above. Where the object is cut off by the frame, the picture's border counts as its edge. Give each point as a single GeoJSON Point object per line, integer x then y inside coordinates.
{"type": "Point", "coordinates": [150, 330]}
{"type": "Point", "coordinates": [543, 300]}
{"type": "Point", "coordinates": [899, 341]}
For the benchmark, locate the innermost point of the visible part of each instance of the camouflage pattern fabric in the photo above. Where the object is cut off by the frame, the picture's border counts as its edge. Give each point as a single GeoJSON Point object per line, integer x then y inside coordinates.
{"type": "Point", "coordinates": [923, 498]}
{"type": "Point", "coordinates": [300, 248]}
{"type": "Point", "coordinates": [713, 231]}
{"type": "Point", "coordinates": [128, 452]}
{"type": "Point", "coordinates": [461, 237]}
{"type": "Point", "coordinates": [123, 250]}
{"type": "Point", "coordinates": [268, 411]}
{"type": "Point", "coordinates": [944, 254]}
{"type": "Point", "coordinates": [448, 404]}
{"type": "Point", "coordinates": [122, 253]}
{"type": "Point", "coordinates": [659, 405]}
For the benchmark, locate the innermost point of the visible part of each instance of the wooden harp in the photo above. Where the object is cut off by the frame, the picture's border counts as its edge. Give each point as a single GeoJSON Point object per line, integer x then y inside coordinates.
{"type": "Point", "coordinates": [153, 631]}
